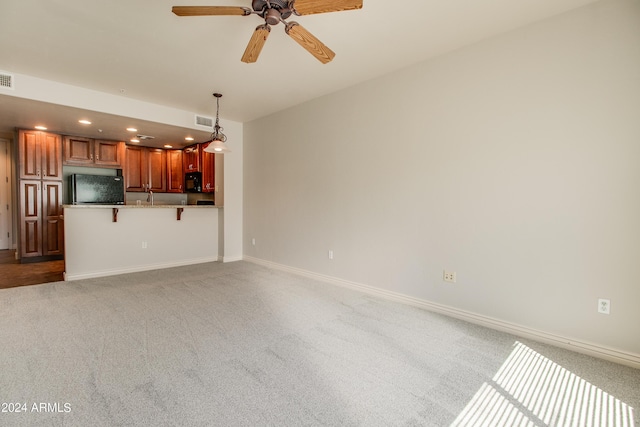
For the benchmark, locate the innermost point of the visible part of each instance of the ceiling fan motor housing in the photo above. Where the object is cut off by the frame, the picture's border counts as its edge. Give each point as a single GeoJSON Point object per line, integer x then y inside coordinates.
{"type": "Point", "coordinates": [273, 10]}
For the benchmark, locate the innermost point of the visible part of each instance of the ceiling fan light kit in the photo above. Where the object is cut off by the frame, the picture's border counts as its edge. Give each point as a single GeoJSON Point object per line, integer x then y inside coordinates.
{"type": "Point", "coordinates": [273, 12]}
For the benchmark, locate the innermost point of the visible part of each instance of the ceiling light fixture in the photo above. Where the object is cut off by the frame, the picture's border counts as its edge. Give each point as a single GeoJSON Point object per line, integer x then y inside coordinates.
{"type": "Point", "coordinates": [84, 122]}
{"type": "Point", "coordinates": [132, 129]}
{"type": "Point", "coordinates": [218, 139]}
{"type": "Point", "coordinates": [41, 128]}
{"type": "Point", "coordinates": [135, 140]}
{"type": "Point", "coordinates": [168, 146]}
{"type": "Point", "coordinates": [189, 138]}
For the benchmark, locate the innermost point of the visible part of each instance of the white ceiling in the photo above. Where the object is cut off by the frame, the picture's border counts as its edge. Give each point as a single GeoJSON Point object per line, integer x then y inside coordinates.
{"type": "Point", "coordinates": [141, 50]}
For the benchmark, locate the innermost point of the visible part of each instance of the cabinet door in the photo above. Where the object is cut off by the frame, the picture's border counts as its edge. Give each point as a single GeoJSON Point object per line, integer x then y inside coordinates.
{"type": "Point", "coordinates": [175, 173]}
{"type": "Point", "coordinates": [208, 171]}
{"type": "Point", "coordinates": [135, 169]}
{"type": "Point", "coordinates": [52, 218]}
{"type": "Point", "coordinates": [191, 156]}
{"type": "Point", "coordinates": [51, 156]}
{"type": "Point", "coordinates": [78, 151]}
{"type": "Point", "coordinates": [29, 154]}
{"type": "Point", "coordinates": [30, 218]}
{"type": "Point", "coordinates": [108, 153]}
{"type": "Point", "coordinates": [157, 169]}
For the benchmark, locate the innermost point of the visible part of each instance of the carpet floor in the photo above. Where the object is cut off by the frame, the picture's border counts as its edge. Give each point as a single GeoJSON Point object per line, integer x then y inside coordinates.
{"type": "Point", "coordinates": [239, 344]}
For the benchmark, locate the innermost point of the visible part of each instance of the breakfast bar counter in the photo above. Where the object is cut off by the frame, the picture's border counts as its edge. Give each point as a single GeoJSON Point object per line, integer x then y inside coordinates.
{"type": "Point", "coordinates": [103, 240]}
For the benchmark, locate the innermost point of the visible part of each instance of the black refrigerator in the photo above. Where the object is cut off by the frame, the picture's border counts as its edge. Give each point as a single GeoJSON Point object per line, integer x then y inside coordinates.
{"type": "Point", "coordinates": [96, 189]}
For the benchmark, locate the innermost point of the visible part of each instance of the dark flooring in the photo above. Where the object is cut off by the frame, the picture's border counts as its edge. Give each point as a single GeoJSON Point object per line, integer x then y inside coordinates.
{"type": "Point", "coordinates": [13, 274]}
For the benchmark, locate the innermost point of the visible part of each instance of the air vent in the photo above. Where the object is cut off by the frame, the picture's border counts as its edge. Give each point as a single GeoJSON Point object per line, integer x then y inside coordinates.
{"type": "Point", "coordinates": [6, 80]}
{"type": "Point", "coordinates": [204, 121]}
{"type": "Point", "coordinates": [144, 137]}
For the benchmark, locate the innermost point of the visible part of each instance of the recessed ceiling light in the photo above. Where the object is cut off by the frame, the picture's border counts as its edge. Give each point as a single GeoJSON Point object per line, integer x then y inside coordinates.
{"type": "Point", "coordinates": [84, 122]}
{"type": "Point", "coordinates": [41, 128]}
{"type": "Point", "coordinates": [168, 146]}
{"type": "Point", "coordinates": [135, 140]}
{"type": "Point", "coordinates": [132, 129]}
{"type": "Point", "coordinates": [189, 138]}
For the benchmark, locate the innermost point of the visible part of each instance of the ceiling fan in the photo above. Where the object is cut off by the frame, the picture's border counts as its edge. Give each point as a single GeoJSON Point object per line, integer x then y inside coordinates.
{"type": "Point", "coordinates": [273, 12]}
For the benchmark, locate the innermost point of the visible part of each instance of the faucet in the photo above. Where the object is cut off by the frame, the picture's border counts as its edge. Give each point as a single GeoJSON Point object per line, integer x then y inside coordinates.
{"type": "Point", "coordinates": [150, 197]}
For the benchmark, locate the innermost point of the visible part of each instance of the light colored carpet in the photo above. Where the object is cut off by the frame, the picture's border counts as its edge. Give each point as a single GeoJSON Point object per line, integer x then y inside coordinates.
{"type": "Point", "coordinates": [241, 345]}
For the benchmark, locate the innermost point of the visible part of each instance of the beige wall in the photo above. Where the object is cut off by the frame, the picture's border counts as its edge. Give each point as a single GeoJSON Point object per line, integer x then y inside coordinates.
{"type": "Point", "coordinates": [513, 162]}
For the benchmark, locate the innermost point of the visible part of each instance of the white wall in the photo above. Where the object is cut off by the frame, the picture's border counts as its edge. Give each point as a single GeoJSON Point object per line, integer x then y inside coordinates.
{"type": "Point", "coordinates": [96, 246]}
{"type": "Point", "coordinates": [513, 162]}
{"type": "Point", "coordinates": [6, 224]}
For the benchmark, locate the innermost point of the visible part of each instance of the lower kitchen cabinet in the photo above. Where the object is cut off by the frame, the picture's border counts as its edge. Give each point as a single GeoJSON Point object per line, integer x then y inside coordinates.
{"type": "Point", "coordinates": [41, 219]}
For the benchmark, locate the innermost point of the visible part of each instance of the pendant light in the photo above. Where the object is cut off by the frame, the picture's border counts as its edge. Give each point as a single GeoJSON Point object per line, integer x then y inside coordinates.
{"type": "Point", "coordinates": [218, 139]}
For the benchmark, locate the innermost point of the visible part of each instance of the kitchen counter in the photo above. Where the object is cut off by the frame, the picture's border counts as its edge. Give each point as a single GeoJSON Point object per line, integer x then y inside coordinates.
{"type": "Point", "coordinates": [144, 205]}
{"type": "Point", "coordinates": [103, 240]}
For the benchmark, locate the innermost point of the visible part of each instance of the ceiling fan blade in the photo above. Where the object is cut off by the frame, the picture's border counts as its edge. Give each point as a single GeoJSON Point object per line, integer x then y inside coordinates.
{"type": "Point", "coordinates": [210, 10]}
{"type": "Point", "coordinates": [258, 39]}
{"type": "Point", "coordinates": [308, 7]}
{"type": "Point", "coordinates": [309, 42]}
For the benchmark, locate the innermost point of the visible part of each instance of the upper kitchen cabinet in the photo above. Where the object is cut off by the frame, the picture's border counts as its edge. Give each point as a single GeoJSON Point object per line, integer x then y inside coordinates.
{"type": "Point", "coordinates": [93, 152]}
{"type": "Point", "coordinates": [145, 169]}
{"type": "Point", "coordinates": [208, 170]}
{"type": "Point", "coordinates": [175, 171]}
{"type": "Point", "coordinates": [39, 155]}
{"type": "Point", "coordinates": [191, 158]}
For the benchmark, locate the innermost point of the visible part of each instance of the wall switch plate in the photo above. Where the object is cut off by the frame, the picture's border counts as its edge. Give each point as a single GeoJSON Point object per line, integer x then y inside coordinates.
{"type": "Point", "coordinates": [253, 242]}
{"type": "Point", "coordinates": [330, 254]}
{"type": "Point", "coordinates": [449, 276]}
{"type": "Point", "coordinates": [604, 306]}
{"type": "Point", "coordinates": [144, 245]}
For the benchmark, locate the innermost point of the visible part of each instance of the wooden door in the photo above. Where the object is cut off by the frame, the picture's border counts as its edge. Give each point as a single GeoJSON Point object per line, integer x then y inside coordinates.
{"type": "Point", "coordinates": [52, 218]}
{"type": "Point", "coordinates": [157, 169]}
{"type": "Point", "coordinates": [175, 172]}
{"type": "Point", "coordinates": [108, 153]}
{"type": "Point", "coordinates": [208, 171]}
{"type": "Point", "coordinates": [135, 168]}
{"type": "Point", "coordinates": [29, 154]}
{"type": "Point", "coordinates": [78, 151]}
{"type": "Point", "coordinates": [31, 220]}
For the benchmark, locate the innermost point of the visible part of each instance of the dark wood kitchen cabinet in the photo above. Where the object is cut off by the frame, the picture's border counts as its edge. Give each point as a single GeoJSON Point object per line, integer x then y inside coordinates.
{"type": "Point", "coordinates": [175, 171]}
{"type": "Point", "coordinates": [208, 171]}
{"type": "Point", "coordinates": [41, 219]}
{"type": "Point", "coordinates": [39, 155]}
{"type": "Point", "coordinates": [191, 158]}
{"type": "Point", "coordinates": [145, 169]}
{"type": "Point", "coordinates": [93, 152]}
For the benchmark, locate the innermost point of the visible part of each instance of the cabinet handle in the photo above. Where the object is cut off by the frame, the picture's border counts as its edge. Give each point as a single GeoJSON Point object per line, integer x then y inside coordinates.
{"type": "Point", "coordinates": [97, 156]}
{"type": "Point", "coordinates": [38, 172]}
{"type": "Point", "coordinates": [90, 156]}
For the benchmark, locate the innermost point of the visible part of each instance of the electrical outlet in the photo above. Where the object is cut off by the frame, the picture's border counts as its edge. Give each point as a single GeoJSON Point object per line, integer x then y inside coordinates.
{"type": "Point", "coordinates": [449, 276]}
{"type": "Point", "coordinates": [604, 306]}
{"type": "Point", "coordinates": [144, 244]}
{"type": "Point", "coordinates": [330, 254]}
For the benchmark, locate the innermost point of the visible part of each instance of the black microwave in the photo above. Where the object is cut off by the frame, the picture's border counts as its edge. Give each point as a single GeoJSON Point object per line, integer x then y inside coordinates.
{"type": "Point", "coordinates": [193, 182]}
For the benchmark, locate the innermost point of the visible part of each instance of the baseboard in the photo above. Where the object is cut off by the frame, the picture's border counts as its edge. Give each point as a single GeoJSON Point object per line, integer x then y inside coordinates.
{"type": "Point", "coordinates": [137, 269]}
{"type": "Point", "coordinates": [232, 258]}
{"type": "Point", "coordinates": [602, 352]}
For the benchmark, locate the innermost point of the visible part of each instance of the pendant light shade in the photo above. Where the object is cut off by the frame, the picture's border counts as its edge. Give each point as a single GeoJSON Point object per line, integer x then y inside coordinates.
{"type": "Point", "coordinates": [218, 139]}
